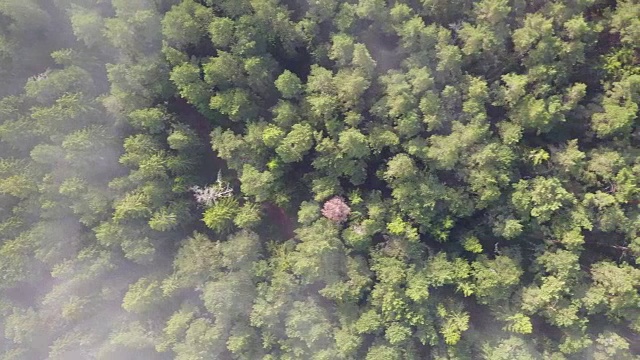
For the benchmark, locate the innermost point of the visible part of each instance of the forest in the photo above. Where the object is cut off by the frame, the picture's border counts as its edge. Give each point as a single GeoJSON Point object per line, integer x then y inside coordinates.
{"type": "Point", "coordinates": [319, 179]}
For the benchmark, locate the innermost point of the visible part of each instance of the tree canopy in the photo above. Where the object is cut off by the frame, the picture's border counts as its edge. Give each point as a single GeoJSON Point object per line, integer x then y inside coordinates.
{"type": "Point", "coordinates": [290, 179]}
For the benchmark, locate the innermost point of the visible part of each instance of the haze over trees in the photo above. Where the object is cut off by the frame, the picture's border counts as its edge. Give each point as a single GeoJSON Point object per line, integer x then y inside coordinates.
{"type": "Point", "coordinates": [288, 179]}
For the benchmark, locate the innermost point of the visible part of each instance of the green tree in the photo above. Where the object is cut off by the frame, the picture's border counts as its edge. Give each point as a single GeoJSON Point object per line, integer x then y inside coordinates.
{"type": "Point", "coordinates": [540, 197]}
{"type": "Point", "coordinates": [296, 143]}
{"type": "Point", "coordinates": [289, 85]}
{"type": "Point", "coordinates": [186, 24]}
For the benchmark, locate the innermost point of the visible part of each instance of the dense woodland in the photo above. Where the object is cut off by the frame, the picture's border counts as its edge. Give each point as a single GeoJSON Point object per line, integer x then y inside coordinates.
{"type": "Point", "coordinates": [321, 179]}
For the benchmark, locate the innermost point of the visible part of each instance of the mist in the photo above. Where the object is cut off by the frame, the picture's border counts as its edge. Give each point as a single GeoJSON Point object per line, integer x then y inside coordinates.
{"type": "Point", "coordinates": [284, 179]}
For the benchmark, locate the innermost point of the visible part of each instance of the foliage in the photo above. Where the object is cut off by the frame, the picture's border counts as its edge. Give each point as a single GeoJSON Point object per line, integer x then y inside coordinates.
{"type": "Point", "coordinates": [402, 179]}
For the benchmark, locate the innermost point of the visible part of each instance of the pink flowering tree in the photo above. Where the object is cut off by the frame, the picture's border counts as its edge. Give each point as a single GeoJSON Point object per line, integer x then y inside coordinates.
{"type": "Point", "coordinates": [336, 209]}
